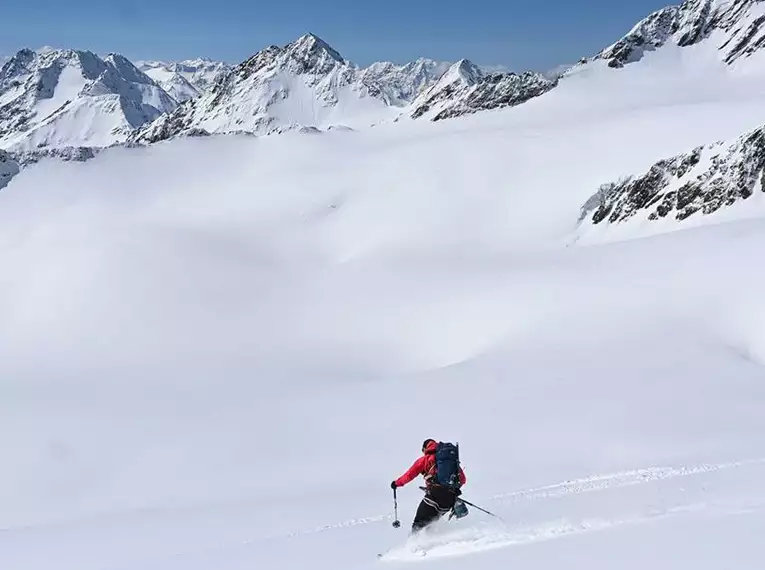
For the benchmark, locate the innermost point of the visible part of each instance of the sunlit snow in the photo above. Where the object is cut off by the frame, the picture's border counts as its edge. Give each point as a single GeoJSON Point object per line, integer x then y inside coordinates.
{"type": "Point", "coordinates": [216, 353]}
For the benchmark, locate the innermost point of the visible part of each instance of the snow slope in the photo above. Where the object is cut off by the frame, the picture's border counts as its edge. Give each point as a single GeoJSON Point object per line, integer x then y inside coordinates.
{"type": "Point", "coordinates": [61, 98]}
{"type": "Point", "coordinates": [224, 366]}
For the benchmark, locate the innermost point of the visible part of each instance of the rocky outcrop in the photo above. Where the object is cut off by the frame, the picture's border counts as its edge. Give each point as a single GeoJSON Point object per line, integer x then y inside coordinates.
{"type": "Point", "coordinates": [8, 169]}
{"type": "Point", "coordinates": [65, 154]}
{"type": "Point", "coordinates": [697, 183]}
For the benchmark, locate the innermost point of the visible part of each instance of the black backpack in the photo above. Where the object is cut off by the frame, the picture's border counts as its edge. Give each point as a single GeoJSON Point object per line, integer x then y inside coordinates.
{"type": "Point", "coordinates": [447, 465]}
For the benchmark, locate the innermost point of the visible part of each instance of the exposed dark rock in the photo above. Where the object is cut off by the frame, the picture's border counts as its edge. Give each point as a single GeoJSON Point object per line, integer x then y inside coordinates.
{"type": "Point", "coordinates": [699, 182]}
{"type": "Point", "coordinates": [8, 168]}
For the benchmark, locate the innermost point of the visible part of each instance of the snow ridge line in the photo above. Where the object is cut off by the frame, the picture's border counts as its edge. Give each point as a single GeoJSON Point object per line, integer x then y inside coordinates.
{"type": "Point", "coordinates": [619, 479]}
{"type": "Point", "coordinates": [574, 486]}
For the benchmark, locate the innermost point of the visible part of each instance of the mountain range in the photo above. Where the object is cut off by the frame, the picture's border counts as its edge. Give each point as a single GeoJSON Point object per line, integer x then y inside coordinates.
{"type": "Point", "coordinates": [307, 83]}
{"type": "Point", "coordinates": [84, 100]}
{"type": "Point", "coordinates": [68, 103]}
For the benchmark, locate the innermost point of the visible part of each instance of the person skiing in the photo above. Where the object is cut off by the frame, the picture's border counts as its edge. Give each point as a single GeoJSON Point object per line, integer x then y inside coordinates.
{"type": "Point", "coordinates": [444, 477]}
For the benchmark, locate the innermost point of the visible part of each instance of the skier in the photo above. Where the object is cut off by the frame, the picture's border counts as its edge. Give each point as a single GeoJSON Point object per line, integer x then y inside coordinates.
{"type": "Point", "coordinates": [440, 466]}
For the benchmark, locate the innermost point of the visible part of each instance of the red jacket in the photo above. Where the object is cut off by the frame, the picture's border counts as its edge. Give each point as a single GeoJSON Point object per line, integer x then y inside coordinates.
{"type": "Point", "coordinates": [425, 465]}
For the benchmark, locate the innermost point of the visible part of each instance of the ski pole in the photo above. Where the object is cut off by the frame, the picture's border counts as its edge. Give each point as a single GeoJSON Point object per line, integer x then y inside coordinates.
{"type": "Point", "coordinates": [396, 522]}
{"type": "Point", "coordinates": [480, 509]}
{"type": "Point", "coordinates": [471, 504]}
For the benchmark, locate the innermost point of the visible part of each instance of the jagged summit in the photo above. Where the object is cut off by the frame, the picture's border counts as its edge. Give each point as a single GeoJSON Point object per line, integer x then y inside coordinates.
{"type": "Point", "coordinates": [307, 54]}
{"type": "Point", "coordinates": [465, 70]}
{"type": "Point", "coordinates": [466, 88]}
{"type": "Point", "coordinates": [65, 97]}
{"type": "Point", "coordinates": [401, 84]}
{"type": "Point", "coordinates": [305, 83]}
{"type": "Point", "coordinates": [310, 46]}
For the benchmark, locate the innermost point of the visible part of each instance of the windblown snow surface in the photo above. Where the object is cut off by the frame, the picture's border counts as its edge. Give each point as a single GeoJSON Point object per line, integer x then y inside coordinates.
{"type": "Point", "coordinates": [216, 353]}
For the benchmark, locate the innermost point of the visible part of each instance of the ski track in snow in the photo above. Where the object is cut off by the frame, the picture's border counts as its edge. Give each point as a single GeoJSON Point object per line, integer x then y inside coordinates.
{"type": "Point", "coordinates": [471, 541]}
{"type": "Point", "coordinates": [618, 479]}
{"type": "Point", "coordinates": [593, 483]}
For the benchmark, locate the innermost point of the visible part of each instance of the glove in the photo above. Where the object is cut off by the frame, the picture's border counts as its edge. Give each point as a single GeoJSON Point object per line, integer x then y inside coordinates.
{"type": "Point", "coordinates": [393, 485]}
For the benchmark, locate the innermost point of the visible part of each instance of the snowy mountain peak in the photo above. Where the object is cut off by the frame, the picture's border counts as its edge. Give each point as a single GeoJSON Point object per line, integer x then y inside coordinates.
{"type": "Point", "coordinates": [382, 67]}
{"type": "Point", "coordinates": [401, 84]}
{"type": "Point", "coordinates": [46, 49]}
{"type": "Point", "coordinates": [65, 97]}
{"type": "Point", "coordinates": [125, 68]}
{"type": "Point", "coordinates": [313, 44]}
{"type": "Point", "coordinates": [16, 65]}
{"type": "Point", "coordinates": [466, 88]}
{"type": "Point", "coordinates": [50, 63]}
{"type": "Point", "coordinates": [306, 83]}
{"type": "Point", "coordinates": [312, 54]}
{"type": "Point", "coordinates": [737, 27]}
{"type": "Point", "coordinates": [187, 79]}
{"type": "Point", "coordinates": [464, 70]}
{"type": "Point", "coordinates": [423, 63]}
{"type": "Point", "coordinates": [199, 62]}
{"type": "Point", "coordinates": [459, 76]}
{"type": "Point", "coordinates": [309, 54]}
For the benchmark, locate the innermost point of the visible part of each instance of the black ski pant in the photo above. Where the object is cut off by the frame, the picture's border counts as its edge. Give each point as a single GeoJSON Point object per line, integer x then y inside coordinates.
{"type": "Point", "coordinates": [437, 502]}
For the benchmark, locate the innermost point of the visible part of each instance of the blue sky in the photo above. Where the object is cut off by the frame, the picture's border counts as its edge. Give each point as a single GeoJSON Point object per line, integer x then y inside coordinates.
{"type": "Point", "coordinates": [521, 34]}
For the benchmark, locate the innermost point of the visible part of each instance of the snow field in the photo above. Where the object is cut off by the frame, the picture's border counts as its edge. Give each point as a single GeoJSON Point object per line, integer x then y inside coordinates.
{"type": "Point", "coordinates": [217, 353]}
